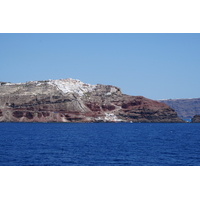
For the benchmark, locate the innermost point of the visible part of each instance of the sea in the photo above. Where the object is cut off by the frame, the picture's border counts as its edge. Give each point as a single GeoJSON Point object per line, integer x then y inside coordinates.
{"type": "Point", "coordinates": [99, 144]}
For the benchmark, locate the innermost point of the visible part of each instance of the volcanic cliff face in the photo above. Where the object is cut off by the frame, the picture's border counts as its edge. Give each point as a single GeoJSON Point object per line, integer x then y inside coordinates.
{"type": "Point", "coordinates": [68, 100]}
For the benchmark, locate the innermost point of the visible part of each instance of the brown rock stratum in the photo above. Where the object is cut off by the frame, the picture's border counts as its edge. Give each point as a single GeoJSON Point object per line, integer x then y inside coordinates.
{"type": "Point", "coordinates": [68, 100]}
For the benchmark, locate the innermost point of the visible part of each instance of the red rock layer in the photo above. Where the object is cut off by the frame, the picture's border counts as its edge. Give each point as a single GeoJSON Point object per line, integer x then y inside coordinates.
{"type": "Point", "coordinates": [104, 103]}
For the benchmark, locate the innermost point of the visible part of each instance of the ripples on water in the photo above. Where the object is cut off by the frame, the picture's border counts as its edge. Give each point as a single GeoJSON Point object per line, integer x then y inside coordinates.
{"type": "Point", "coordinates": [99, 144]}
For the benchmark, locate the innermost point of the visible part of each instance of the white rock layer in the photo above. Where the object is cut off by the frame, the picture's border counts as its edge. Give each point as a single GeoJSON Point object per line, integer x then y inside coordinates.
{"type": "Point", "coordinates": [72, 85]}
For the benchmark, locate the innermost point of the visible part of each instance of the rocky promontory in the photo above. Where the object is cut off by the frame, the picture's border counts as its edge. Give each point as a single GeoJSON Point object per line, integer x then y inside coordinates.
{"type": "Point", "coordinates": [196, 119]}
{"type": "Point", "coordinates": [69, 100]}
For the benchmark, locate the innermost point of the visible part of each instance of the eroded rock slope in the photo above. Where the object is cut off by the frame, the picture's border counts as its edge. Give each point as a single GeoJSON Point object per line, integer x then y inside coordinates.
{"type": "Point", "coordinates": [69, 100]}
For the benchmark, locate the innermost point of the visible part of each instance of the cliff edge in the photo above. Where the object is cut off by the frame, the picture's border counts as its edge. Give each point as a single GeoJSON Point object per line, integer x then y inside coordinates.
{"type": "Point", "coordinates": [69, 100]}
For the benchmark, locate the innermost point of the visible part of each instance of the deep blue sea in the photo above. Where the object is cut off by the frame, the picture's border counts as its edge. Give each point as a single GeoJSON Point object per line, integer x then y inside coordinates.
{"type": "Point", "coordinates": [99, 144]}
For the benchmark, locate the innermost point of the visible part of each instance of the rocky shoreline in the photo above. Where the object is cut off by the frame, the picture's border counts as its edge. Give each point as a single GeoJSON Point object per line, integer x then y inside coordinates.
{"type": "Point", "coordinates": [69, 100]}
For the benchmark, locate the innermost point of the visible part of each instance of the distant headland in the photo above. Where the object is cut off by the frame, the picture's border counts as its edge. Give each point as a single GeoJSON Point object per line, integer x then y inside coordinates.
{"type": "Point", "coordinates": [185, 108]}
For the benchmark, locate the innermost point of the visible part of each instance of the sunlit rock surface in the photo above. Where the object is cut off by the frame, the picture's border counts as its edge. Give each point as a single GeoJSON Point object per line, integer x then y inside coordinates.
{"type": "Point", "coordinates": [69, 100]}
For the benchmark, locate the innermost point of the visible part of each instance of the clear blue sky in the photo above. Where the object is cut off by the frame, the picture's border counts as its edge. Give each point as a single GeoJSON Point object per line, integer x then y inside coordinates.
{"type": "Point", "coordinates": [157, 66]}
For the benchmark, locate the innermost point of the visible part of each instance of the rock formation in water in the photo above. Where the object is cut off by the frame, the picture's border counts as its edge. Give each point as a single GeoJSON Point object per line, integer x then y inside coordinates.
{"type": "Point", "coordinates": [196, 119]}
{"type": "Point", "coordinates": [185, 108]}
{"type": "Point", "coordinates": [68, 100]}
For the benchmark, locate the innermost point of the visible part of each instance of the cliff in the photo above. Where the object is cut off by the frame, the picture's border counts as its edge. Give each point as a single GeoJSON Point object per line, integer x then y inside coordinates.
{"type": "Point", "coordinates": [196, 119]}
{"type": "Point", "coordinates": [185, 108]}
{"type": "Point", "coordinates": [68, 100]}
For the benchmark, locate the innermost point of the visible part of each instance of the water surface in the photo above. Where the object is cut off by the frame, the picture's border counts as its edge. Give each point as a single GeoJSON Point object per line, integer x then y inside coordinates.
{"type": "Point", "coordinates": [99, 144]}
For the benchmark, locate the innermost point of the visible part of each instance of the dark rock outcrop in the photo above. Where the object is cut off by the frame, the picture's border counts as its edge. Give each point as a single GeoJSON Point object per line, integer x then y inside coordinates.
{"type": "Point", "coordinates": [69, 100]}
{"type": "Point", "coordinates": [196, 119]}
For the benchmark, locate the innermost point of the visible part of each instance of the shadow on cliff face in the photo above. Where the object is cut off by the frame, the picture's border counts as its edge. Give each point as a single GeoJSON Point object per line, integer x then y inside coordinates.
{"type": "Point", "coordinates": [46, 102]}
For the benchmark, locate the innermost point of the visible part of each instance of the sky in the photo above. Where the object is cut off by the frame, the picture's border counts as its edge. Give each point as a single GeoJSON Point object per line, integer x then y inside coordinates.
{"type": "Point", "coordinates": [156, 66]}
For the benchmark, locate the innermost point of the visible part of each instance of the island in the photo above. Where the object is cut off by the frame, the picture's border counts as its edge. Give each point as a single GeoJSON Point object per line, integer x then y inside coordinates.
{"type": "Point", "coordinates": [70, 100]}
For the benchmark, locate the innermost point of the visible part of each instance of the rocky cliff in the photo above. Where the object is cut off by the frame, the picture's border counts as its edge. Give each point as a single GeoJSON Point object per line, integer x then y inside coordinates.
{"type": "Point", "coordinates": [185, 108]}
{"type": "Point", "coordinates": [68, 100]}
{"type": "Point", "coordinates": [196, 119]}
